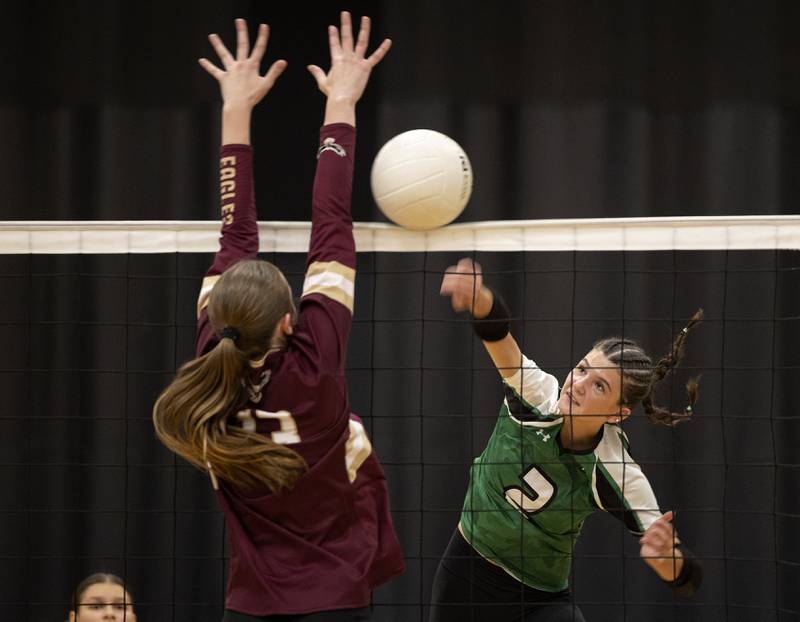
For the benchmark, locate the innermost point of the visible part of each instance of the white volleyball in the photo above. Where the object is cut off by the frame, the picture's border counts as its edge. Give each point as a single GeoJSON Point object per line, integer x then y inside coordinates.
{"type": "Point", "coordinates": [421, 179]}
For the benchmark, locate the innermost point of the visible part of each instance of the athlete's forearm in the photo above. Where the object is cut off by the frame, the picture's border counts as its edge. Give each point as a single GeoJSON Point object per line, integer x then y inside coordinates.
{"type": "Point", "coordinates": [667, 568]}
{"type": "Point", "coordinates": [506, 355]}
{"type": "Point", "coordinates": [340, 110]}
{"type": "Point", "coordinates": [236, 124]}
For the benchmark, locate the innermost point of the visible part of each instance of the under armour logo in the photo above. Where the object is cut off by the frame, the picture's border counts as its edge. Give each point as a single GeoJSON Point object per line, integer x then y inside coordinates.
{"type": "Point", "coordinates": [545, 437]}
{"type": "Point", "coordinates": [329, 144]}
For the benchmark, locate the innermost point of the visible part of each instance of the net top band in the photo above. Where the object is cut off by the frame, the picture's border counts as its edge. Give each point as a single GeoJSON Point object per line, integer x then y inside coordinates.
{"type": "Point", "coordinates": [593, 234]}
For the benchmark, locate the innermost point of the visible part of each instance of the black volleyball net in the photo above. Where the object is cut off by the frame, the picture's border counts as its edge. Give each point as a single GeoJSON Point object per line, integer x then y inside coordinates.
{"type": "Point", "coordinates": [96, 316]}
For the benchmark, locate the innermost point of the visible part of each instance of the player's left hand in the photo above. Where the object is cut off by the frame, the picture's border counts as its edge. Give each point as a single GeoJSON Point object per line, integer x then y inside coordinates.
{"type": "Point", "coordinates": [241, 82]}
{"type": "Point", "coordinates": [659, 542]}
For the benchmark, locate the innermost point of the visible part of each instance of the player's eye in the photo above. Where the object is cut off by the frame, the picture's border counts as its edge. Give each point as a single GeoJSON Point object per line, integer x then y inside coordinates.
{"type": "Point", "coordinates": [581, 369]}
{"type": "Point", "coordinates": [600, 387]}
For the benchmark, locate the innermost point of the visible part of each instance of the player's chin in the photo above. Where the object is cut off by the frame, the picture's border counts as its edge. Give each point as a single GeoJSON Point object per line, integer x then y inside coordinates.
{"type": "Point", "coordinates": [567, 407]}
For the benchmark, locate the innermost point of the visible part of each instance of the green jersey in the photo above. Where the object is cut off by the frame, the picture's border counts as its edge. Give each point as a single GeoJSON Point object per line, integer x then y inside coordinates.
{"type": "Point", "coordinates": [528, 497]}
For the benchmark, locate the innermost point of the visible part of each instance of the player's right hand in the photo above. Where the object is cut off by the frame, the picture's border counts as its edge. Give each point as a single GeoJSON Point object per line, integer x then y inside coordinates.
{"type": "Point", "coordinates": [241, 82]}
{"type": "Point", "coordinates": [464, 284]}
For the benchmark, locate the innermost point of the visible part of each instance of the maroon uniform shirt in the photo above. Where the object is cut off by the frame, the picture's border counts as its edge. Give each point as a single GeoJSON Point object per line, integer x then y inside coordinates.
{"type": "Point", "coordinates": [326, 543]}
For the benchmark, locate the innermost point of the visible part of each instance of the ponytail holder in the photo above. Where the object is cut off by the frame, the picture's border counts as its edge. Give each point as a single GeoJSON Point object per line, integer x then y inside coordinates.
{"type": "Point", "coordinates": [229, 332]}
{"type": "Point", "coordinates": [685, 330]}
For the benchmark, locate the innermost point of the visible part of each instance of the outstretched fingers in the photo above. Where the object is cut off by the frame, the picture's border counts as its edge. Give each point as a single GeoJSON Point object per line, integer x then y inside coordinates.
{"type": "Point", "coordinates": [275, 70]}
{"type": "Point", "coordinates": [347, 31]}
{"type": "Point", "coordinates": [363, 37]}
{"type": "Point", "coordinates": [242, 40]}
{"type": "Point", "coordinates": [221, 50]}
{"type": "Point", "coordinates": [211, 68]}
{"type": "Point", "coordinates": [260, 48]}
{"type": "Point", "coordinates": [377, 55]}
{"type": "Point", "coordinates": [333, 41]}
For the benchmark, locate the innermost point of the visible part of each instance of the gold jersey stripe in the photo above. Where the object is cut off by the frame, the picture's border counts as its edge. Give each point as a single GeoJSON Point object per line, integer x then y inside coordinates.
{"type": "Point", "coordinates": [318, 267]}
{"type": "Point", "coordinates": [357, 449]}
{"type": "Point", "coordinates": [333, 280]}
{"type": "Point", "coordinates": [205, 292]}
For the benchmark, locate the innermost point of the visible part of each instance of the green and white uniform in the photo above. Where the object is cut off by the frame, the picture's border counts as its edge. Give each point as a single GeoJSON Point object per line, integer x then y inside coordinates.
{"type": "Point", "coordinates": [528, 497]}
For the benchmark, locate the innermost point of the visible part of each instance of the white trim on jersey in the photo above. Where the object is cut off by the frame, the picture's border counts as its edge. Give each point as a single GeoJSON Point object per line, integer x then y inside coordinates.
{"type": "Point", "coordinates": [538, 389]}
{"type": "Point", "coordinates": [333, 280]}
{"type": "Point", "coordinates": [205, 292]}
{"type": "Point", "coordinates": [625, 477]}
{"type": "Point", "coordinates": [357, 449]}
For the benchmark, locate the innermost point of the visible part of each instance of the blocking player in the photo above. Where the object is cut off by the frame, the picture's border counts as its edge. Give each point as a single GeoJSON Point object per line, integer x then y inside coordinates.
{"type": "Point", "coordinates": [553, 459]}
{"type": "Point", "coordinates": [264, 407]}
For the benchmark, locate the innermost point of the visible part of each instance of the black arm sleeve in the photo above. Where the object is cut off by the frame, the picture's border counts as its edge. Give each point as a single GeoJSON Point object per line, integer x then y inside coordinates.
{"type": "Point", "coordinates": [691, 577]}
{"type": "Point", "coordinates": [495, 325]}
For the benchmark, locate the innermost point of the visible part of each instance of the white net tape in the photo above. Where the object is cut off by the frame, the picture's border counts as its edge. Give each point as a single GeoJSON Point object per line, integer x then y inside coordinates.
{"type": "Point", "coordinates": [594, 234]}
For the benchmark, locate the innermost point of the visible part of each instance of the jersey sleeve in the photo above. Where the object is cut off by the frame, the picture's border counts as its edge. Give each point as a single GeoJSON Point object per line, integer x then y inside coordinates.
{"type": "Point", "coordinates": [239, 230]}
{"type": "Point", "coordinates": [532, 394]}
{"type": "Point", "coordinates": [620, 486]}
{"type": "Point", "coordinates": [326, 306]}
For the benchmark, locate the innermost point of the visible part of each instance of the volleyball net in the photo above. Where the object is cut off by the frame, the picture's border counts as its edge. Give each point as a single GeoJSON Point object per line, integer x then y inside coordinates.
{"type": "Point", "coordinates": [96, 316]}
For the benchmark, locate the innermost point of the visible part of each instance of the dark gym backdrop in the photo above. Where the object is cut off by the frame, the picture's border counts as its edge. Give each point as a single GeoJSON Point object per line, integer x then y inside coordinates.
{"type": "Point", "coordinates": [567, 110]}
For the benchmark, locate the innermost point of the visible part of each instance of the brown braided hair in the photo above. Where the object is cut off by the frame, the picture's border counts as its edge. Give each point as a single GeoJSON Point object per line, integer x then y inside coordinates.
{"type": "Point", "coordinates": [639, 375]}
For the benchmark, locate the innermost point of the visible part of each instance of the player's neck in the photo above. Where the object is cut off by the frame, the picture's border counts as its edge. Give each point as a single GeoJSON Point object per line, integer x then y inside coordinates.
{"type": "Point", "coordinates": [579, 435]}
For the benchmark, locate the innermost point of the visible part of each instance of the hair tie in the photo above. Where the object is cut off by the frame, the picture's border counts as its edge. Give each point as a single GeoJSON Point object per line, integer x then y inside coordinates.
{"type": "Point", "coordinates": [230, 332]}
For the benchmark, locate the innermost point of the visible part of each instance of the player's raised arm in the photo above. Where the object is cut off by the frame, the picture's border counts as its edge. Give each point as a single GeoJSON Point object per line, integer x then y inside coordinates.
{"type": "Point", "coordinates": [463, 283]}
{"type": "Point", "coordinates": [330, 275]}
{"type": "Point", "coordinates": [242, 87]}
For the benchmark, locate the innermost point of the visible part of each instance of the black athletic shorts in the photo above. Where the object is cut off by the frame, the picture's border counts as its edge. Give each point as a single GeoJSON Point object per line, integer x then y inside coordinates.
{"type": "Point", "coordinates": [337, 615]}
{"type": "Point", "coordinates": [467, 588]}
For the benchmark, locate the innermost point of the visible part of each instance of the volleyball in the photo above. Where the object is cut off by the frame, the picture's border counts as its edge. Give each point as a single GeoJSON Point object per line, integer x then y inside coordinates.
{"type": "Point", "coordinates": [421, 179]}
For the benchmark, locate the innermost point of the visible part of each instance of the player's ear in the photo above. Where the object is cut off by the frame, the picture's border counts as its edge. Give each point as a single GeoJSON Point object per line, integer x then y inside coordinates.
{"type": "Point", "coordinates": [71, 616]}
{"type": "Point", "coordinates": [623, 413]}
{"type": "Point", "coordinates": [286, 324]}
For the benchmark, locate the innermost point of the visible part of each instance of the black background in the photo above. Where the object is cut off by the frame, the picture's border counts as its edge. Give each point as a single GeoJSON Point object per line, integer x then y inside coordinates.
{"type": "Point", "coordinates": [566, 109]}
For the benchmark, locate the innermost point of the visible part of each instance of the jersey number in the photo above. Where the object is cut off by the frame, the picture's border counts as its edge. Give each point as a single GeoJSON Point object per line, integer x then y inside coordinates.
{"type": "Point", "coordinates": [542, 487]}
{"type": "Point", "coordinates": [285, 436]}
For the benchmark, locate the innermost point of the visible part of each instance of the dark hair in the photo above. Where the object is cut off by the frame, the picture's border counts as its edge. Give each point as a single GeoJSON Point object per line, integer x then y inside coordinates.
{"type": "Point", "coordinates": [190, 415]}
{"type": "Point", "coordinates": [639, 375]}
{"type": "Point", "coordinates": [94, 579]}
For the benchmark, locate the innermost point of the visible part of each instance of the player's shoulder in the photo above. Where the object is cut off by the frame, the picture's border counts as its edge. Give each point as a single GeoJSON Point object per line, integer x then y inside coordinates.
{"type": "Point", "coordinates": [614, 447]}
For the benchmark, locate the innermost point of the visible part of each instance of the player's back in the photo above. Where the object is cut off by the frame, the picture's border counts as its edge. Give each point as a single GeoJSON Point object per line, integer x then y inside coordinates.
{"type": "Point", "coordinates": [329, 540]}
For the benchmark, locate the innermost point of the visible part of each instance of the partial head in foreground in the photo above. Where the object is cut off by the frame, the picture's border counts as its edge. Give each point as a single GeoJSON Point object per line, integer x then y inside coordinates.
{"type": "Point", "coordinates": [102, 597]}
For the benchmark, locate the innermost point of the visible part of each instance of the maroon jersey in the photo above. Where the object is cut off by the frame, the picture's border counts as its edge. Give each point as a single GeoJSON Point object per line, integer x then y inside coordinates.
{"type": "Point", "coordinates": [326, 543]}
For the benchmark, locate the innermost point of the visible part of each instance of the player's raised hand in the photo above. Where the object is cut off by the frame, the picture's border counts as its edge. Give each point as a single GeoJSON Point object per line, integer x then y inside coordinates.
{"type": "Point", "coordinates": [464, 284]}
{"type": "Point", "coordinates": [350, 67]}
{"type": "Point", "coordinates": [240, 79]}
